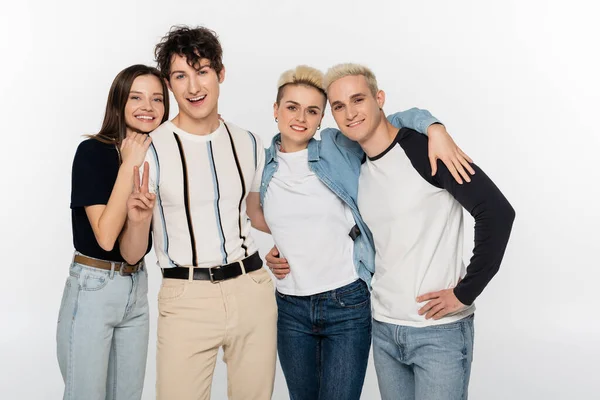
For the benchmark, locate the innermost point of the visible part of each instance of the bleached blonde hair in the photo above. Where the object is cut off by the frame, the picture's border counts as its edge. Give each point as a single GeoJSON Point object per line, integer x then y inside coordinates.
{"type": "Point", "coordinates": [348, 69]}
{"type": "Point", "coordinates": [301, 75]}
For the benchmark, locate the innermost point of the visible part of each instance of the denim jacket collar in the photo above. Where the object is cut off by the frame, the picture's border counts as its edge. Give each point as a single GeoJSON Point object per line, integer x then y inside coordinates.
{"type": "Point", "coordinates": [271, 154]}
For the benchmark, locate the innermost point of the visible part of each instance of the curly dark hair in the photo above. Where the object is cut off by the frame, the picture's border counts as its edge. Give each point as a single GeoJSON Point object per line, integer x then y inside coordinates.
{"type": "Point", "coordinates": [191, 43]}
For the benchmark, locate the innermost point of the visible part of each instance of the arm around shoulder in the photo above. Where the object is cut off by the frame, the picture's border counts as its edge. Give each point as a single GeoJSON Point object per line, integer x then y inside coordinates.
{"type": "Point", "coordinates": [414, 118]}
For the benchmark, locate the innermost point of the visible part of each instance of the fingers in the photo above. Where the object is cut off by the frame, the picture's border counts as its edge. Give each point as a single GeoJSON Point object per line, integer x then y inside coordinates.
{"type": "Point", "coordinates": [270, 257]}
{"type": "Point", "coordinates": [441, 304]}
{"type": "Point", "coordinates": [466, 157]}
{"type": "Point", "coordinates": [151, 198]}
{"type": "Point", "coordinates": [450, 165]}
{"type": "Point", "coordinates": [145, 175]}
{"type": "Point", "coordinates": [278, 265]}
{"type": "Point", "coordinates": [147, 141]}
{"type": "Point", "coordinates": [461, 170]}
{"type": "Point", "coordinates": [273, 259]}
{"type": "Point", "coordinates": [465, 163]}
{"type": "Point", "coordinates": [276, 262]}
{"type": "Point", "coordinates": [436, 312]}
{"type": "Point", "coordinates": [145, 201]}
{"type": "Point", "coordinates": [136, 179]}
{"type": "Point", "coordinates": [430, 304]}
{"type": "Point", "coordinates": [462, 163]}
{"type": "Point", "coordinates": [134, 148]}
{"type": "Point", "coordinates": [139, 138]}
{"type": "Point", "coordinates": [137, 203]}
{"type": "Point", "coordinates": [280, 272]}
{"type": "Point", "coordinates": [280, 268]}
{"type": "Point", "coordinates": [433, 162]}
{"type": "Point", "coordinates": [428, 296]}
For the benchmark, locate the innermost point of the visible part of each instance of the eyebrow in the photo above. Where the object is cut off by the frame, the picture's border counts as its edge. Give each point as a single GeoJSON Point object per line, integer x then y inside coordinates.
{"type": "Point", "coordinates": [296, 103]}
{"type": "Point", "coordinates": [154, 94]}
{"type": "Point", "coordinates": [351, 98]}
{"type": "Point", "coordinates": [183, 72]}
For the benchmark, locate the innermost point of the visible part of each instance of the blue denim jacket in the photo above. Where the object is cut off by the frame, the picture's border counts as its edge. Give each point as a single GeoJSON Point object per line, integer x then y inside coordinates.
{"type": "Point", "coordinates": [336, 161]}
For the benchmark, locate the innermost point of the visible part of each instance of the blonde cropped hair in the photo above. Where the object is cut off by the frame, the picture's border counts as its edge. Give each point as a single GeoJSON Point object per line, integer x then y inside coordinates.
{"type": "Point", "coordinates": [301, 75]}
{"type": "Point", "coordinates": [342, 70]}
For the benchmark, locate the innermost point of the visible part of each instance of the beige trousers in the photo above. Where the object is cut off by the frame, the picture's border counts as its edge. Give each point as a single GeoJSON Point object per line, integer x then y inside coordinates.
{"type": "Point", "coordinates": [196, 318]}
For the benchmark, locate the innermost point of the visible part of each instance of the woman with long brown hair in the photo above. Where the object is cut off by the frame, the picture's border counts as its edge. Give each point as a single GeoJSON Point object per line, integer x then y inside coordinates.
{"type": "Point", "coordinates": [103, 327]}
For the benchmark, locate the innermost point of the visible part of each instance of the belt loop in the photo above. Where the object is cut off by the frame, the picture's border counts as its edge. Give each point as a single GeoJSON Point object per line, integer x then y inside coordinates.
{"type": "Point", "coordinates": [111, 275]}
{"type": "Point", "coordinates": [191, 273]}
{"type": "Point", "coordinates": [242, 267]}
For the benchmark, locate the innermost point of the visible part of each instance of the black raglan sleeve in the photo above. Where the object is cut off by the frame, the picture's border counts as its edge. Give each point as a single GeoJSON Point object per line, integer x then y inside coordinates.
{"type": "Point", "coordinates": [493, 214]}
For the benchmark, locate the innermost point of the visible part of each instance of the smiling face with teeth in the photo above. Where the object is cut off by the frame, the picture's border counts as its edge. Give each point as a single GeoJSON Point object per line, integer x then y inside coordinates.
{"type": "Point", "coordinates": [355, 109]}
{"type": "Point", "coordinates": [145, 107]}
{"type": "Point", "coordinates": [299, 114]}
{"type": "Point", "coordinates": [196, 89]}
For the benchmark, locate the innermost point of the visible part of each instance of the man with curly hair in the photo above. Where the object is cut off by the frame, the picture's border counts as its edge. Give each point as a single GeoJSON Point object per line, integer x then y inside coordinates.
{"type": "Point", "coordinates": [215, 293]}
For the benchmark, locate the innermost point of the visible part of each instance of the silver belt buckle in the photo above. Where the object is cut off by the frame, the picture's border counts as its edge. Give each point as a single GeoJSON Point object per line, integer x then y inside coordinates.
{"type": "Point", "coordinates": [121, 270]}
{"type": "Point", "coordinates": [135, 268]}
{"type": "Point", "coordinates": [210, 274]}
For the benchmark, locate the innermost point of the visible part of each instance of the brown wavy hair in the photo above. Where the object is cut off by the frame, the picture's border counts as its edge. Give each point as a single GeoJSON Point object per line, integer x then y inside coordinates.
{"type": "Point", "coordinates": [191, 43]}
{"type": "Point", "coordinates": [114, 128]}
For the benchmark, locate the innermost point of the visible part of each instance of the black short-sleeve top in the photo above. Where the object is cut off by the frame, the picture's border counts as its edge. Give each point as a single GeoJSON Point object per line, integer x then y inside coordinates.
{"type": "Point", "coordinates": [95, 170]}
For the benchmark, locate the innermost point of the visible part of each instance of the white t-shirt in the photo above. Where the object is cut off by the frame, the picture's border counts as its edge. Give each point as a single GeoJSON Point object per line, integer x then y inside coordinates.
{"type": "Point", "coordinates": [418, 233]}
{"type": "Point", "coordinates": [310, 226]}
{"type": "Point", "coordinates": [201, 184]}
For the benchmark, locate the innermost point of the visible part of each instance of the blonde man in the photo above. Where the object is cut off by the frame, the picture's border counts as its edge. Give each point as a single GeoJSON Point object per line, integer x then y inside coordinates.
{"type": "Point", "coordinates": [422, 294]}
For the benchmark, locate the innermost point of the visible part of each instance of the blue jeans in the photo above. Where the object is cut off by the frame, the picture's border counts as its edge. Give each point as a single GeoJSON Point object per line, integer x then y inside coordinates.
{"type": "Point", "coordinates": [323, 341]}
{"type": "Point", "coordinates": [429, 363]}
{"type": "Point", "coordinates": [102, 335]}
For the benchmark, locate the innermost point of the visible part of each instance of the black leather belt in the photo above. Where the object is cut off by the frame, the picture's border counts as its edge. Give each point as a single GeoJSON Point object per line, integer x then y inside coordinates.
{"type": "Point", "coordinates": [218, 273]}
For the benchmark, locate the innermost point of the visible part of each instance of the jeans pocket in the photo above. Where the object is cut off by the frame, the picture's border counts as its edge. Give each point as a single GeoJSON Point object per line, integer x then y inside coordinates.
{"type": "Point", "coordinates": [458, 324]}
{"type": "Point", "coordinates": [90, 282]}
{"type": "Point", "coordinates": [357, 295]}
{"type": "Point", "coordinates": [446, 327]}
{"type": "Point", "coordinates": [172, 289]}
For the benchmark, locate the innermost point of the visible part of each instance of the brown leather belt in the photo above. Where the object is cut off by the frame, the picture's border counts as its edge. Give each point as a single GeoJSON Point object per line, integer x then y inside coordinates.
{"type": "Point", "coordinates": [121, 267]}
